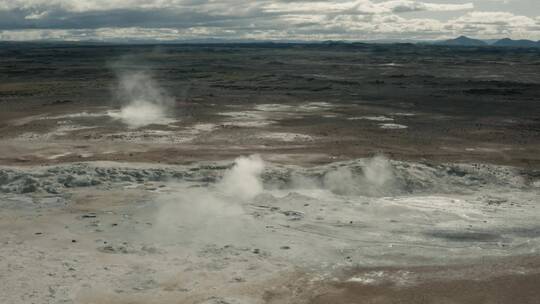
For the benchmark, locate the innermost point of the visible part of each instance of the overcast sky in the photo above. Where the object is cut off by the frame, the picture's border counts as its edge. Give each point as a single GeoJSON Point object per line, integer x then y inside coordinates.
{"type": "Point", "coordinates": [267, 19]}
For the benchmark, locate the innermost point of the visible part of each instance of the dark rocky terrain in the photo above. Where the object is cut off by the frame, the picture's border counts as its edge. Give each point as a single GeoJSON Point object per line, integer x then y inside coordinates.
{"type": "Point", "coordinates": [459, 104]}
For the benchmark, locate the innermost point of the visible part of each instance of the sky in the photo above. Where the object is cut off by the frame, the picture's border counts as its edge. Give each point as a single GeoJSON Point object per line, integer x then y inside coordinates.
{"type": "Point", "coordinates": [356, 20]}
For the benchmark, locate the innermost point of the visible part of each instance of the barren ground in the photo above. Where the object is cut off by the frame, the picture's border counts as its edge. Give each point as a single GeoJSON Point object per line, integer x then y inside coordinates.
{"type": "Point", "coordinates": [385, 174]}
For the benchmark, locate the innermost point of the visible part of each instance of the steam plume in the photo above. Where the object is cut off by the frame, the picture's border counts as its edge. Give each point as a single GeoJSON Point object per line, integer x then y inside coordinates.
{"type": "Point", "coordinates": [144, 102]}
{"type": "Point", "coordinates": [242, 181]}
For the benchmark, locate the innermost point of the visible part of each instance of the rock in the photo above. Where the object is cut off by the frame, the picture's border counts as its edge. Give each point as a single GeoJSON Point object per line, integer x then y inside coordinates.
{"type": "Point", "coordinates": [28, 188]}
{"type": "Point", "coordinates": [19, 184]}
{"type": "Point", "coordinates": [293, 215]}
{"type": "Point", "coordinates": [4, 178]}
{"type": "Point", "coordinates": [216, 300]}
{"type": "Point", "coordinates": [115, 249]}
{"type": "Point", "coordinates": [79, 181]}
{"type": "Point", "coordinates": [52, 190]}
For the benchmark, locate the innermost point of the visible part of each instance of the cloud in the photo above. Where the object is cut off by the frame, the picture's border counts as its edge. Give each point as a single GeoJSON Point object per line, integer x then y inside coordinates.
{"type": "Point", "coordinates": [496, 24]}
{"type": "Point", "coordinates": [413, 6]}
{"type": "Point", "coordinates": [258, 19]}
{"type": "Point", "coordinates": [34, 16]}
{"type": "Point", "coordinates": [359, 7]}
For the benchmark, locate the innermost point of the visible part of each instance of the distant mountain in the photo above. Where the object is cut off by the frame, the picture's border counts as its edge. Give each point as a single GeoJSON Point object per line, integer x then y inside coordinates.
{"type": "Point", "coordinates": [507, 42]}
{"type": "Point", "coordinates": [464, 41]}
{"type": "Point", "coordinates": [490, 41]}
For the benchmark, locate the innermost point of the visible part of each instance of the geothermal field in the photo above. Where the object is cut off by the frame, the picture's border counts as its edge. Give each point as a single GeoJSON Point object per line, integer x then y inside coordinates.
{"type": "Point", "coordinates": [269, 173]}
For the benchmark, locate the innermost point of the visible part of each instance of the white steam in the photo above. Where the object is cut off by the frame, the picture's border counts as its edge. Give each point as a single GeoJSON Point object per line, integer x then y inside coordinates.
{"type": "Point", "coordinates": [139, 114]}
{"type": "Point", "coordinates": [375, 177]}
{"type": "Point", "coordinates": [243, 180]}
{"type": "Point", "coordinates": [341, 181]}
{"type": "Point", "coordinates": [219, 213]}
{"type": "Point", "coordinates": [378, 171]}
{"type": "Point", "coordinates": [213, 214]}
{"type": "Point", "coordinates": [144, 102]}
